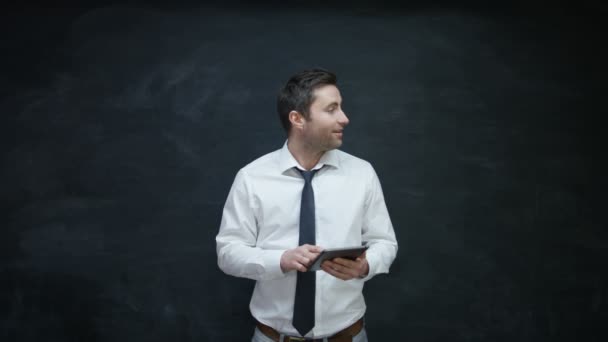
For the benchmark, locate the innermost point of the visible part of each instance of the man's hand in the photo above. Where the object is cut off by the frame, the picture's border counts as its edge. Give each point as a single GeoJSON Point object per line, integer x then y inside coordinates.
{"type": "Point", "coordinates": [299, 258]}
{"type": "Point", "coordinates": [346, 269]}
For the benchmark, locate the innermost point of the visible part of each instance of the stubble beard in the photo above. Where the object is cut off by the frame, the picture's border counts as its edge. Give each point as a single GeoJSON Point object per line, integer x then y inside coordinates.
{"type": "Point", "coordinates": [332, 143]}
{"type": "Point", "coordinates": [325, 143]}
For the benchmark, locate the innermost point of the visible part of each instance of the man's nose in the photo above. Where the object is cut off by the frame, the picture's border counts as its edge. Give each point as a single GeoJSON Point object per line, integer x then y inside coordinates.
{"type": "Point", "coordinates": [344, 119]}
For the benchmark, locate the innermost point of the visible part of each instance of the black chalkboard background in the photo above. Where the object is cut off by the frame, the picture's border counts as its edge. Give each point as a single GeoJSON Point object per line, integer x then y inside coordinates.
{"type": "Point", "coordinates": [124, 123]}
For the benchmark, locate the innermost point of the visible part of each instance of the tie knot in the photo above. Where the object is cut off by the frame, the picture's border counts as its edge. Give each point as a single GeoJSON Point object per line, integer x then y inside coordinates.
{"type": "Point", "coordinates": [307, 175]}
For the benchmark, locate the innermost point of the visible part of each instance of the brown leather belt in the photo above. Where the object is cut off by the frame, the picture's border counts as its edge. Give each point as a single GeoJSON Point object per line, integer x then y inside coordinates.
{"type": "Point", "coordinates": [345, 335]}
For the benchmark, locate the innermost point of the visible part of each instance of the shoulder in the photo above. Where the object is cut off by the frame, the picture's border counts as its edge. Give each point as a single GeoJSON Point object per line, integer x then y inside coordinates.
{"type": "Point", "coordinates": [264, 164]}
{"type": "Point", "coordinates": [255, 170]}
{"type": "Point", "coordinates": [351, 162]}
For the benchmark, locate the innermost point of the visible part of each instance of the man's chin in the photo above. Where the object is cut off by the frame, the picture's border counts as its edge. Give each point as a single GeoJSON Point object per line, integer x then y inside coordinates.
{"type": "Point", "coordinates": [336, 145]}
{"type": "Point", "coordinates": [331, 145]}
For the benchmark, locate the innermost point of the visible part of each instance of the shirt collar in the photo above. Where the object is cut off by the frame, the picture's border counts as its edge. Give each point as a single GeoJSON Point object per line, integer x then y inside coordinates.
{"type": "Point", "coordinates": [287, 160]}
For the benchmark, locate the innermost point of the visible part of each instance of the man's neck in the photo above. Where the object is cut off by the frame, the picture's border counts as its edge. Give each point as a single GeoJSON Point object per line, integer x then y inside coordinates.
{"type": "Point", "coordinates": [305, 155]}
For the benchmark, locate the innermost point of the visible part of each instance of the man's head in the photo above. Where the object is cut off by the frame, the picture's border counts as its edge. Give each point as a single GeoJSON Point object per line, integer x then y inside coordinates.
{"type": "Point", "coordinates": [311, 104]}
{"type": "Point", "coordinates": [298, 94]}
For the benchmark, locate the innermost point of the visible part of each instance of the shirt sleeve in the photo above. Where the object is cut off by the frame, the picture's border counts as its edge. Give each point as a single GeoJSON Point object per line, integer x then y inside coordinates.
{"type": "Point", "coordinates": [236, 241]}
{"type": "Point", "coordinates": [377, 230]}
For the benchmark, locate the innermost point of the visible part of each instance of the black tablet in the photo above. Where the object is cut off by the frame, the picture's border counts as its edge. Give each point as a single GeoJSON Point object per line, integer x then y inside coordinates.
{"type": "Point", "coordinates": [331, 253]}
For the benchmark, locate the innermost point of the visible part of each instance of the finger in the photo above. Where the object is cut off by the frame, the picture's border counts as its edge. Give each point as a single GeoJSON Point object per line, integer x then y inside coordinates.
{"type": "Point", "coordinates": [336, 267]}
{"type": "Point", "coordinates": [345, 262]}
{"type": "Point", "coordinates": [300, 267]}
{"type": "Point", "coordinates": [325, 267]}
{"type": "Point", "coordinates": [304, 260]}
{"type": "Point", "coordinates": [328, 263]}
{"type": "Point", "coordinates": [353, 268]}
{"type": "Point", "coordinates": [310, 255]}
{"type": "Point", "coordinates": [346, 267]}
{"type": "Point", "coordinates": [312, 249]}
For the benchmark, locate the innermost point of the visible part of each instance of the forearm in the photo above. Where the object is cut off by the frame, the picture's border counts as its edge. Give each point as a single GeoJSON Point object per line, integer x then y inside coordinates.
{"type": "Point", "coordinates": [380, 255]}
{"type": "Point", "coordinates": [378, 232]}
{"type": "Point", "coordinates": [240, 260]}
{"type": "Point", "coordinates": [237, 253]}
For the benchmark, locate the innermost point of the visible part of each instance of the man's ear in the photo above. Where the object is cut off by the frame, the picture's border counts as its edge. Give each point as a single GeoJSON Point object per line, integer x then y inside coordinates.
{"type": "Point", "coordinates": [296, 119]}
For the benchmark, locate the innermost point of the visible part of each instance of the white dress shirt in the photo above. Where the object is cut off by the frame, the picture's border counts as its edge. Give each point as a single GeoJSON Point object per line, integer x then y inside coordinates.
{"type": "Point", "coordinates": [261, 221]}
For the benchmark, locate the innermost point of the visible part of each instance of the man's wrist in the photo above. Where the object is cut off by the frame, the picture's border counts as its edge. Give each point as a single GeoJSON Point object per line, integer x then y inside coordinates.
{"type": "Point", "coordinates": [365, 272]}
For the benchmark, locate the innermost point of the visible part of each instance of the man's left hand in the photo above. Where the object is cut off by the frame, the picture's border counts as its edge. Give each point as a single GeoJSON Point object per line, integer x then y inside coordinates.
{"type": "Point", "coordinates": [346, 269]}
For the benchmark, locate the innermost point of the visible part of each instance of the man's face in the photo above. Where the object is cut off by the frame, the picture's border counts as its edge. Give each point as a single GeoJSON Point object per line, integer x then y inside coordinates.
{"type": "Point", "coordinates": [323, 129]}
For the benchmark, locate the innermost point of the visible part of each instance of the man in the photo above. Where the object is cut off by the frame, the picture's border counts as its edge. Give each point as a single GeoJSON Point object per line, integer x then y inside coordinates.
{"type": "Point", "coordinates": [284, 208]}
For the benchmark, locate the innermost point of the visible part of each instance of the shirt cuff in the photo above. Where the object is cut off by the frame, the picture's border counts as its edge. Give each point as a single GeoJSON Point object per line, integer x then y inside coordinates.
{"type": "Point", "coordinates": [272, 264]}
{"type": "Point", "coordinates": [372, 262]}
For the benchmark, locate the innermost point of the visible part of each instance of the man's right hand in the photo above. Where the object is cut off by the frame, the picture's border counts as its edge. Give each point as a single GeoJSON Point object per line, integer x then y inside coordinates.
{"type": "Point", "coordinates": [299, 258]}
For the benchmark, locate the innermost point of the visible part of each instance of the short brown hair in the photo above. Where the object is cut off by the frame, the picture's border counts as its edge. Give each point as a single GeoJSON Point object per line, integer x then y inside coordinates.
{"type": "Point", "coordinates": [297, 94]}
